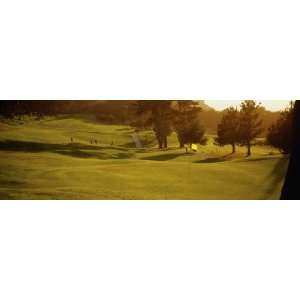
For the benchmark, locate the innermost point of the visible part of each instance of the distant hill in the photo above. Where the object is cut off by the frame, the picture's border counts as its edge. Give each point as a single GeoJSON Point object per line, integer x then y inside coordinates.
{"type": "Point", "coordinates": [113, 112]}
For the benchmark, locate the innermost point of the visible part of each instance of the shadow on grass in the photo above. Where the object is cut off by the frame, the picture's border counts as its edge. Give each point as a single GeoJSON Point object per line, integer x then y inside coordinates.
{"type": "Point", "coordinates": [165, 157]}
{"type": "Point", "coordinates": [258, 159]}
{"type": "Point", "coordinates": [275, 177]}
{"type": "Point", "coordinates": [4, 182]}
{"type": "Point", "coordinates": [215, 159]}
{"type": "Point", "coordinates": [73, 149]}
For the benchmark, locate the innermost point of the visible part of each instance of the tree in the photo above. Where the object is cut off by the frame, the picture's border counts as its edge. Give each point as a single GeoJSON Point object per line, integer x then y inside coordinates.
{"type": "Point", "coordinates": [186, 118]}
{"type": "Point", "coordinates": [228, 129]}
{"type": "Point", "coordinates": [291, 189]}
{"type": "Point", "coordinates": [11, 108]}
{"type": "Point", "coordinates": [193, 133]}
{"type": "Point", "coordinates": [158, 114]}
{"type": "Point", "coordinates": [250, 123]}
{"type": "Point", "coordinates": [280, 133]}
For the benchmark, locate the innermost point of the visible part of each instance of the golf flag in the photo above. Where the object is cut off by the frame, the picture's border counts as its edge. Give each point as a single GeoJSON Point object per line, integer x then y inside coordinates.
{"type": "Point", "coordinates": [194, 147]}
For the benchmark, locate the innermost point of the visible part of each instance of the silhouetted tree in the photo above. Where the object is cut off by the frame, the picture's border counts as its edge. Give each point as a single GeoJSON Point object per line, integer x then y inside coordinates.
{"type": "Point", "coordinates": [268, 118]}
{"type": "Point", "coordinates": [291, 187]}
{"type": "Point", "coordinates": [280, 133]}
{"type": "Point", "coordinates": [158, 114]}
{"type": "Point", "coordinates": [193, 133]}
{"type": "Point", "coordinates": [228, 129]}
{"type": "Point", "coordinates": [11, 108]}
{"type": "Point", "coordinates": [186, 121]}
{"type": "Point", "coordinates": [250, 124]}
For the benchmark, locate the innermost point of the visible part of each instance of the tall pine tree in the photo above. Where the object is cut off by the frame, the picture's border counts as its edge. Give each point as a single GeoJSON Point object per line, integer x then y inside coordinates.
{"type": "Point", "coordinates": [186, 122]}
{"type": "Point", "coordinates": [280, 133]}
{"type": "Point", "coordinates": [158, 114]}
{"type": "Point", "coordinates": [250, 124]}
{"type": "Point", "coordinates": [228, 129]}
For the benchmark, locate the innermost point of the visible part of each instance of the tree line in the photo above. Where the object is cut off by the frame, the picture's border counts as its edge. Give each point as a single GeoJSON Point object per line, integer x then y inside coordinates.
{"type": "Point", "coordinates": [243, 126]}
{"type": "Point", "coordinates": [15, 108]}
{"type": "Point", "coordinates": [238, 126]}
{"type": "Point", "coordinates": [187, 118]}
{"type": "Point", "coordinates": [114, 112]}
{"type": "Point", "coordinates": [166, 116]}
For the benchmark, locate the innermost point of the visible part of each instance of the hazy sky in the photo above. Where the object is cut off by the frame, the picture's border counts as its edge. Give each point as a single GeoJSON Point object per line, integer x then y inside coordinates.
{"type": "Point", "coordinates": [268, 104]}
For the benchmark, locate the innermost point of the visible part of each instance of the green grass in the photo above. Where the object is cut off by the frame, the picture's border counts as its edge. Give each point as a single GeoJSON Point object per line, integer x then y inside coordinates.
{"type": "Point", "coordinates": [38, 161]}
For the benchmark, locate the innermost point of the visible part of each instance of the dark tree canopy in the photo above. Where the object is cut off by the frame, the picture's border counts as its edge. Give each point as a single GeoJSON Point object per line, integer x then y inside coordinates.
{"type": "Point", "coordinates": [158, 115]}
{"type": "Point", "coordinates": [228, 129]}
{"type": "Point", "coordinates": [250, 123]}
{"type": "Point", "coordinates": [11, 108]}
{"type": "Point", "coordinates": [280, 133]}
{"type": "Point", "coordinates": [291, 187]}
{"type": "Point", "coordinates": [186, 122]}
{"type": "Point", "coordinates": [194, 133]}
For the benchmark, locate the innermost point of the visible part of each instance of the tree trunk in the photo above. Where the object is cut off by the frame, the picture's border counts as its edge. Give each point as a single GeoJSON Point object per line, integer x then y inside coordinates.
{"type": "Point", "coordinates": [160, 144]}
{"type": "Point", "coordinates": [233, 147]}
{"type": "Point", "coordinates": [159, 140]}
{"type": "Point", "coordinates": [181, 143]}
{"type": "Point", "coordinates": [165, 142]}
{"type": "Point", "coordinates": [291, 187]}
{"type": "Point", "coordinates": [249, 149]}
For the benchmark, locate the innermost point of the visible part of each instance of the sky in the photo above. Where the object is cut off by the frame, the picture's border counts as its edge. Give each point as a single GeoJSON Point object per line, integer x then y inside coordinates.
{"type": "Point", "coordinates": [272, 105]}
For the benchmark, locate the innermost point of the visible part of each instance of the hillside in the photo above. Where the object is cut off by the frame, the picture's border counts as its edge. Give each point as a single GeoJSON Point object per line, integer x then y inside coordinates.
{"type": "Point", "coordinates": [39, 161]}
{"type": "Point", "coordinates": [122, 112]}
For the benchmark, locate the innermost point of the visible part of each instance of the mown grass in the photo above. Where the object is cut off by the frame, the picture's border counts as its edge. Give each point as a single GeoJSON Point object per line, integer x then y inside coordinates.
{"type": "Point", "coordinates": [39, 161]}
